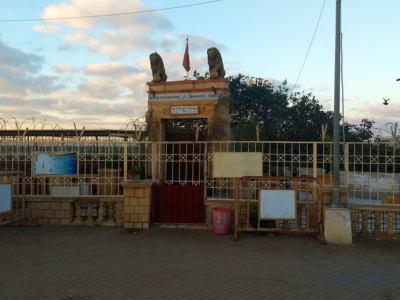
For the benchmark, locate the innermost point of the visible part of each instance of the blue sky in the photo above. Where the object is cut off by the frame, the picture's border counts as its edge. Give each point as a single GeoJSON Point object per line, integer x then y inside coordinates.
{"type": "Point", "coordinates": [94, 71]}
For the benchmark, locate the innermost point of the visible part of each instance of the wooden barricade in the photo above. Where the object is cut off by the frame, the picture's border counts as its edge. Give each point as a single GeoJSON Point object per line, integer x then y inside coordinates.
{"type": "Point", "coordinates": [280, 204]}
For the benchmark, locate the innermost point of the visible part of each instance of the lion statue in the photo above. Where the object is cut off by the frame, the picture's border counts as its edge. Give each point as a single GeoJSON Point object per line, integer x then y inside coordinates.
{"type": "Point", "coordinates": [157, 68]}
{"type": "Point", "coordinates": [216, 66]}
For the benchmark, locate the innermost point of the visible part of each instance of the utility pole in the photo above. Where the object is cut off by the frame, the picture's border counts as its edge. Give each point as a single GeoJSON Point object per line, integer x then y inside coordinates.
{"type": "Point", "coordinates": [336, 129]}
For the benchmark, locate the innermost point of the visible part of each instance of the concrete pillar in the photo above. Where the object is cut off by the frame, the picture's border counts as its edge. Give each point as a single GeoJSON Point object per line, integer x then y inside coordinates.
{"type": "Point", "coordinates": [337, 225]}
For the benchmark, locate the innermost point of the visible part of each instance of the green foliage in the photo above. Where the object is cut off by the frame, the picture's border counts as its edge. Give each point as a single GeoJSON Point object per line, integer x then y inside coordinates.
{"type": "Point", "coordinates": [359, 133]}
{"type": "Point", "coordinates": [136, 168]}
{"type": "Point", "coordinates": [283, 116]}
{"type": "Point", "coordinates": [197, 76]}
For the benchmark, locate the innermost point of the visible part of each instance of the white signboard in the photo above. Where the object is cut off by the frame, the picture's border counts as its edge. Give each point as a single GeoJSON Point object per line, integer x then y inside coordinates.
{"type": "Point", "coordinates": [184, 110]}
{"type": "Point", "coordinates": [183, 97]}
{"type": "Point", "coordinates": [5, 198]}
{"type": "Point", "coordinates": [277, 205]}
{"type": "Point", "coordinates": [238, 164]}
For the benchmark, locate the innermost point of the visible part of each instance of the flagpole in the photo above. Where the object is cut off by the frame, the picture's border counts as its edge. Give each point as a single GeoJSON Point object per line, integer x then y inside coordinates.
{"type": "Point", "coordinates": [186, 62]}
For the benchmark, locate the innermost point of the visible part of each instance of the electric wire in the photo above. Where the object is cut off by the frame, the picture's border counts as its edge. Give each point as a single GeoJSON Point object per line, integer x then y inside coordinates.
{"type": "Point", "coordinates": [109, 15]}
{"type": "Point", "coordinates": [309, 48]}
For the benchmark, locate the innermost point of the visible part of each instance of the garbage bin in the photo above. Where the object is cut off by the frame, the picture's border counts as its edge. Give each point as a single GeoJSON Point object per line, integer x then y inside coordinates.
{"type": "Point", "coordinates": [221, 220]}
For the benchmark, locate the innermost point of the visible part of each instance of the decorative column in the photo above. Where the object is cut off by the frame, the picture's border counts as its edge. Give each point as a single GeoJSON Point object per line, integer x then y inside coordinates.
{"type": "Point", "coordinates": [377, 223]}
{"type": "Point", "coordinates": [78, 217]}
{"type": "Point", "coordinates": [100, 213]}
{"type": "Point", "coordinates": [89, 220]}
{"type": "Point", "coordinates": [390, 222]}
{"type": "Point", "coordinates": [364, 222]}
{"type": "Point", "coordinates": [137, 204]}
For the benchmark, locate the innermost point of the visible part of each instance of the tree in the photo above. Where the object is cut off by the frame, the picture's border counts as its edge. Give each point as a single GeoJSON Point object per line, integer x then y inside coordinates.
{"type": "Point", "coordinates": [359, 133]}
{"type": "Point", "coordinates": [256, 100]}
{"type": "Point", "coordinates": [283, 116]}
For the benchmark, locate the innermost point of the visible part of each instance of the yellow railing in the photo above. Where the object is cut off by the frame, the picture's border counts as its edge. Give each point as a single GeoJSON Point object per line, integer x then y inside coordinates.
{"type": "Point", "coordinates": [368, 172]}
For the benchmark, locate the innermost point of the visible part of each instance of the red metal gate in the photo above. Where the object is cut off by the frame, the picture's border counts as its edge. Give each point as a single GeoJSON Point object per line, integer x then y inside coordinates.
{"type": "Point", "coordinates": [178, 197]}
{"type": "Point", "coordinates": [178, 204]}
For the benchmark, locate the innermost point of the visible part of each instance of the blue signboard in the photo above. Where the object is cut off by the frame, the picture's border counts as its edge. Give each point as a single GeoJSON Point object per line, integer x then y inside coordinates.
{"type": "Point", "coordinates": [55, 164]}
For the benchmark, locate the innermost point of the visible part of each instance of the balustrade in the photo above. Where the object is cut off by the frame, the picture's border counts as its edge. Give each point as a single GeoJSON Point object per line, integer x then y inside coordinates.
{"type": "Point", "coordinates": [97, 212]}
{"type": "Point", "coordinates": [377, 221]}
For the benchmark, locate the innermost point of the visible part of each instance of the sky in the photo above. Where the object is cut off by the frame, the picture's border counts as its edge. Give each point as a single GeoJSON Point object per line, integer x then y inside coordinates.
{"type": "Point", "coordinates": [93, 72]}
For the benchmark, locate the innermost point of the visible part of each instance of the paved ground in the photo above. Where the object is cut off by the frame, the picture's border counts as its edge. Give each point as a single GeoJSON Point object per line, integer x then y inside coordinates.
{"type": "Point", "coordinates": [108, 263]}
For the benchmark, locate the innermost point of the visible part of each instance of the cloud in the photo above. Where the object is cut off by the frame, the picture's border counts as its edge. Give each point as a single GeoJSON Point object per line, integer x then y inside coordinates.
{"type": "Point", "coordinates": [114, 70]}
{"type": "Point", "coordinates": [47, 29]}
{"type": "Point", "coordinates": [389, 112]}
{"type": "Point", "coordinates": [62, 68]}
{"type": "Point", "coordinates": [136, 32]}
{"type": "Point", "coordinates": [12, 59]}
{"type": "Point", "coordinates": [140, 22]}
{"type": "Point", "coordinates": [115, 44]}
{"type": "Point", "coordinates": [136, 82]}
{"type": "Point", "coordinates": [99, 88]}
{"type": "Point", "coordinates": [67, 47]}
{"type": "Point", "coordinates": [19, 78]}
{"type": "Point", "coordinates": [76, 36]}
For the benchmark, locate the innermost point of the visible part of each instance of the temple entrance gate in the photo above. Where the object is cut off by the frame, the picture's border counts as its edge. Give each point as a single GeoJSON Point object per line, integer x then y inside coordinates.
{"type": "Point", "coordinates": [179, 189]}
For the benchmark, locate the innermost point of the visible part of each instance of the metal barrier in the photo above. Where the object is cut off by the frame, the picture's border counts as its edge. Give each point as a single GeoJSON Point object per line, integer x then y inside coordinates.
{"type": "Point", "coordinates": [296, 208]}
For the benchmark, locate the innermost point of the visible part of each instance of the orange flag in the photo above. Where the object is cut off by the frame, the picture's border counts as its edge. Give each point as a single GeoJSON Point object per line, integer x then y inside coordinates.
{"type": "Point", "coordinates": [186, 62]}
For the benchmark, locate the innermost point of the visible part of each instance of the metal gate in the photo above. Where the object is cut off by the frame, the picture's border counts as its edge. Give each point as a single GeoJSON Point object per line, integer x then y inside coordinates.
{"type": "Point", "coordinates": [178, 204]}
{"type": "Point", "coordinates": [280, 204]}
{"type": "Point", "coordinates": [179, 189]}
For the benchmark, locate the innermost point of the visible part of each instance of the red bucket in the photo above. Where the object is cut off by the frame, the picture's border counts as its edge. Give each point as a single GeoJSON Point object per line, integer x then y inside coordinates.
{"type": "Point", "coordinates": [221, 220]}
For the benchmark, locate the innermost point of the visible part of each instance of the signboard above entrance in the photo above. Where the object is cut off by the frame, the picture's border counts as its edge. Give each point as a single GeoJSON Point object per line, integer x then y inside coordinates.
{"type": "Point", "coordinates": [183, 97]}
{"type": "Point", "coordinates": [184, 110]}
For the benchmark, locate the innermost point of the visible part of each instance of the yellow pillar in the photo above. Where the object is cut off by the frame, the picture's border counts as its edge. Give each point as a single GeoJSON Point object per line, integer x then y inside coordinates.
{"type": "Point", "coordinates": [137, 204]}
{"type": "Point", "coordinates": [100, 213]}
{"type": "Point", "coordinates": [78, 213]}
{"type": "Point", "coordinates": [377, 223]}
{"type": "Point", "coordinates": [390, 222]}
{"type": "Point", "coordinates": [89, 212]}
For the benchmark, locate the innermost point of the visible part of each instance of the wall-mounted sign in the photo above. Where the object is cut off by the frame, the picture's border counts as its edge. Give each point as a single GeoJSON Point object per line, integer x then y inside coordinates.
{"type": "Point", "coordinates": [55, 164]}
{"type": "Point", "coordinates": [184, 110]}
{"type": "Point", "coordinates": [238, 164]}
{"type": "Point", "coordinates": [5, 198]}
{"type": "Point", "coordinates": [183, 97]}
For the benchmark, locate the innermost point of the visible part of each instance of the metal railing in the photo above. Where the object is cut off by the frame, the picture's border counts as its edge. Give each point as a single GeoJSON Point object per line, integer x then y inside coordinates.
{"type": "Point", "coordinates": [368, 171]}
